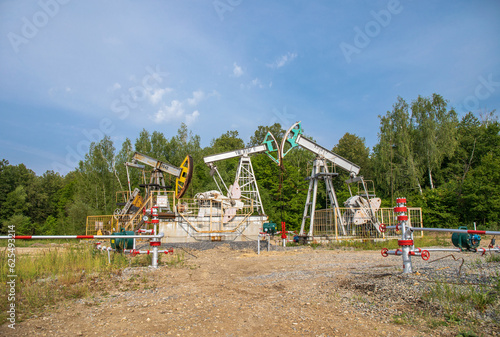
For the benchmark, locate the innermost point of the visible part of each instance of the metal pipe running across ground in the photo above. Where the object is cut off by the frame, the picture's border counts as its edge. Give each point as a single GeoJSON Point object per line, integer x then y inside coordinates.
{"type": "Point", "coordinates": [155, 238]}
{"type": "Point", "coordinates": [446, 230]}
{"type": "Point", "coordinates": [421, 251]}
{"type": "Point", "coordinates": [135, 251]}
{"type": "Point", "coordinates": [82, 237]}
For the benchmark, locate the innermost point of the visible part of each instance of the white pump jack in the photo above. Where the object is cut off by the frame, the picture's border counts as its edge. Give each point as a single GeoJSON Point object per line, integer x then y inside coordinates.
{"type": "Point", "coordinates": [363, 209]}
{"type": "Point", "coordinates": [245, 184]}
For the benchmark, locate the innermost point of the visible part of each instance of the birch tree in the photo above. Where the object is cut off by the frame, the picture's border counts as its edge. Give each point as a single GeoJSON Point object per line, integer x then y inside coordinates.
{"type": "Point", "coordinates": [434, 132]}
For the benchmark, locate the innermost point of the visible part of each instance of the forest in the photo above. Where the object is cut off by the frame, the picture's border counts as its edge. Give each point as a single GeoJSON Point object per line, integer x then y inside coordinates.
{"type": "Point", "coordinates": [449, 167]}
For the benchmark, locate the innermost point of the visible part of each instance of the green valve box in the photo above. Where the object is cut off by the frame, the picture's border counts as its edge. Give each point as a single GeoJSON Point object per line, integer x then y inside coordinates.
{"type": "Point", "coordinates": [120, 243]}
{"type": "Point", "coordinates": [269, 228]}
{"type": "Point", "coordinates": [465, 241]}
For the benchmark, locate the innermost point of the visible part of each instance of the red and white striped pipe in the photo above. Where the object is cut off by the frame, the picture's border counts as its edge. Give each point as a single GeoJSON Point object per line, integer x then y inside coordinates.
{"type": "Point", "coordinates": [149, 231]}
{"type": "Point", "coordinates": [398, 252]}
{"type": "Point", "coordinates": [81, 237]}
{"type": "Point", "coordinates": [134, 252]}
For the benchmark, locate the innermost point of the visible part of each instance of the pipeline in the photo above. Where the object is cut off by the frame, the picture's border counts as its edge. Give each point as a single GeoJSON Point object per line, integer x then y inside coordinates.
{"type": "Point", "coordinates": [155, 241]}
{"type": "Point", "coordinates": [135, 252]}
{"type": "Point", "coordinates": [81, 237]}
{"type": "Point", "coordinates": [104, 248]}
{"type": "Point", "coordinates": [383, 228]}
{"type": "Point", "coordinates": [406, 243]}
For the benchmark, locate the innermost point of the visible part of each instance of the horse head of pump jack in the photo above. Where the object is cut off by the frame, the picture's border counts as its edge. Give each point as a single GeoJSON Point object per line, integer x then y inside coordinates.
{"type": "Point", "coordinates": [288, 141]}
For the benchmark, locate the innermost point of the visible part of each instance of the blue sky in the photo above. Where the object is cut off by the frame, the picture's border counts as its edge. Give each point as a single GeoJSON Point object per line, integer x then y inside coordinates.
{"type": "Point", "coordinates": [71, 71]}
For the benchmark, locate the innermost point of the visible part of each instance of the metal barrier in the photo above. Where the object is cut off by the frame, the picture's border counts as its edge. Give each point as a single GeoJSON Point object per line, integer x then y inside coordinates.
{"type": "Point", "coordinates": [154, 243]}
{"type": "Point", "coordinates": [327, 224]}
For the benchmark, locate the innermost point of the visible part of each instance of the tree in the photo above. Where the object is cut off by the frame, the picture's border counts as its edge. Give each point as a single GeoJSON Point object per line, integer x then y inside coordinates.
{"type": "Point", "coordinates": [96, 185]}
{"type": "Point", "coordinates": [261, 132]}
{"type": "Point", "coordinates": [394, 165]}
{"type": "Point", "coordinates": [159, 146]}
{"type": "Point", "coordinates": [434, 132]}
{"type": "Point", "coordinates": [481, 195]}
{"type": "Point", "coordinates": [354, 149]}
{"type": "Point", "coordinates": [143, 143]}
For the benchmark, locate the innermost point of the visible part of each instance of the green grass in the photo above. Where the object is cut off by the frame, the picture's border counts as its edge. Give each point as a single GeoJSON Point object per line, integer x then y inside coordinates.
{"type": "Point", "coordinates": [403, 319]}
{"type": "Point", "coordinates": [34, 243]}
{"type": "Point", "coordinates": [58, 273]}
{"type": "Point", "coordinates": [493, 257]}
{"type": "Point", "coordinates": [458, 301]}
{"type": "Point", "coordinates": [455, 297]}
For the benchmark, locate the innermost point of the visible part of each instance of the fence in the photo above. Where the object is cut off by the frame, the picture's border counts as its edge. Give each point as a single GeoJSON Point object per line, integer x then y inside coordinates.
{"type": "Point", "coordinates": [133, 219]}
{"type": "Point", "coordinates": [106, 224]}
{"type": "Point", "coordinates": [215, 216]}
{"type": "Point", "coordinates": [327, 224]}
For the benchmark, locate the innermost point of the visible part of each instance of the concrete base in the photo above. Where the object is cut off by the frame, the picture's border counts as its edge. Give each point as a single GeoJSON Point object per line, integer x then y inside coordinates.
{"type": "Point", "coordinates": [193, 229]}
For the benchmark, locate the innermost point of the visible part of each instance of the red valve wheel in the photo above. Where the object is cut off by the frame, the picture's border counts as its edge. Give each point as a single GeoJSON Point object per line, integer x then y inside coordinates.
{"type": "Point", "coordinates": [425, 255]}
{"type": "Point", "coordinates": [384, 252]}
{"type": "Point", "coordinates": [382, 228]}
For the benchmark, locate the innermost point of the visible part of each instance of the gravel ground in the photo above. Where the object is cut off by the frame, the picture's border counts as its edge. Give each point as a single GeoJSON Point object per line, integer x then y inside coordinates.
{"type": "Point", "coordinates": [223, 291]}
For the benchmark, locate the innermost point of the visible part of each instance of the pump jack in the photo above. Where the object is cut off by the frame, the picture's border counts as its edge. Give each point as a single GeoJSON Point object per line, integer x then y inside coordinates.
{"type": "Point", "coordinates": [294, 137]}
{"type": "Point", "coordinates": [135, 202]}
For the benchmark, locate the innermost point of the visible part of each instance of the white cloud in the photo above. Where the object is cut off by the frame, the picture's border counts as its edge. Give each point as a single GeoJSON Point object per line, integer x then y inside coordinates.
{"type": "Point", "coordinates": [156, 95]}
{"type": "Point", "coordinates": [176, 110]}
{"type": "Point", "coordinates": [237, 71]}
{"type": "Point", "coordinates": [167, 113]}
{"type": "Point", "coordinates": [58, 91]}
{"type": "Point", "coordinates": [114, 87]}
{"type": "Point", "coordinates": [190, 119]}
{"type": "Point", "coordinates": [256, 83]}
{"type": "Point", "coordinates": [198, 96]}
{"type": "Point", "coordinates": [283, 60]}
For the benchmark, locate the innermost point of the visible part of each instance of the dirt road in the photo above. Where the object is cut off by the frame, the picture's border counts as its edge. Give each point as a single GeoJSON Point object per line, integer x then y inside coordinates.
{"type": "Point", "coordinates": [225, 292]}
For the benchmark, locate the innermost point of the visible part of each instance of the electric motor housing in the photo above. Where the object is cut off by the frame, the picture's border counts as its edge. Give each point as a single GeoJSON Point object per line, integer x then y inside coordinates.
{"type": "Point", "coordinates": [120, 243]}
{"type": "Point", "coordinates": [465, 241]}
